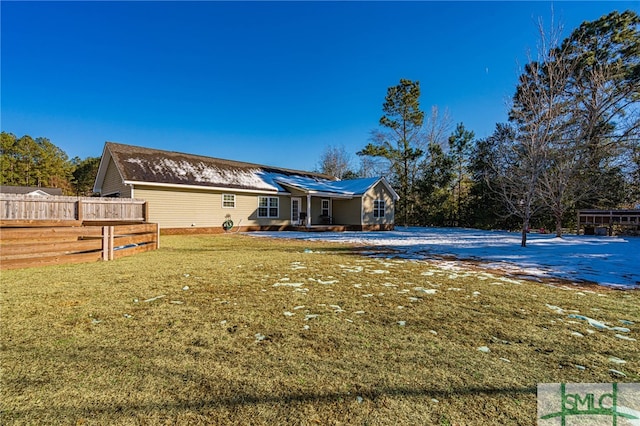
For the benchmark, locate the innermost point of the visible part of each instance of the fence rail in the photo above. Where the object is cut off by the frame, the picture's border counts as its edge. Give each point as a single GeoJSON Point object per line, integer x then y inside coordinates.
{"type": "Point", "coordinates": [41, 246]}
{"type": "Point", "coordinates": [20, 210]}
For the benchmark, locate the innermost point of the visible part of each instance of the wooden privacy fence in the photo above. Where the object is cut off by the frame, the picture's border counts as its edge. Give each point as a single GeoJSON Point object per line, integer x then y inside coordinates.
{"type": "Point", "coordinates": [594, 220]}
{"type": "Point", "coordinates": [40, 246]}
{"type": "Point", "coordinates": [20, 210]}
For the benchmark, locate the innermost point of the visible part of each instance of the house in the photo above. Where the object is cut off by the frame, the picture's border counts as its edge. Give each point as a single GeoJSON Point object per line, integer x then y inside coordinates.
{"type": "Point", "coordinates": [190, 191]}
{"type": "Point", "coordinates": [30, 190]}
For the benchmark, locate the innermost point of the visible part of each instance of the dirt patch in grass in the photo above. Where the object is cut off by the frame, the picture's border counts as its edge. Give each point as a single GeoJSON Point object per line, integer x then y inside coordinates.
{"type": "Point", "coordinates": [233, 329]}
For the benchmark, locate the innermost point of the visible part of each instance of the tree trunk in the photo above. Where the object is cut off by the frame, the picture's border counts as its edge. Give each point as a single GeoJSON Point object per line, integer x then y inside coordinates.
{"type": "Point", "coordinates": [559, 226]}
{"type": "Point", "coordinates": [525, 230]}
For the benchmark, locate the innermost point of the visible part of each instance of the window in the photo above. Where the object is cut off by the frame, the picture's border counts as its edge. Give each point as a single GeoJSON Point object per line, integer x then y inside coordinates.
{"type": "Point", "coordinates": [324, 210]}
{"type": "Point", "coordinates": [378, 208]}
{"type": "Point", "coordinates": [268, 207]}
{"type": "Point", "coordinates": [229, 201]}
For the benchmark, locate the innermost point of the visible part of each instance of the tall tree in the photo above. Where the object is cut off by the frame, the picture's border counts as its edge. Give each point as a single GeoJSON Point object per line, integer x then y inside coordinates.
{"type": "Point", "coordinates": [34, 162]}
{"type": "Point", "coordinates": [397, 142]}
{"type": "Point", "coordinates": [435, 202]}
{"type": "Point", "coordinates": [459, 150]}
{"type": "Point", "coordinates": [84, 174]}
{"type": "Point", "coordinates": [539, 117]}
{"type": "Point", "coordinates": [485, 204]}
{"type": "Point", "coordinates": [8, 159]}
{"type": "Point", "coordinates": [605, 87]}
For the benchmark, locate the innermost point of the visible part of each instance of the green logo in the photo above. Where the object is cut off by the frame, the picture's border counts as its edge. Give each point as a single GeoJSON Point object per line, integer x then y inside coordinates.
{"type": "Point", "coordinates": [589, 404]}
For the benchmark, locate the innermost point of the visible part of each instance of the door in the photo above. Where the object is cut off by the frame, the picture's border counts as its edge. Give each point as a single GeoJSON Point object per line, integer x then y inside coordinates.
{"type": "Point", "coordinates": [295, 211]}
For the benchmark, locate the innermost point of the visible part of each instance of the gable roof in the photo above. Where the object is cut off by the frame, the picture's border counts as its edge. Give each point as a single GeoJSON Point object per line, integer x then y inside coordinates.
{"type": "Point", "coordinates": [139, 165]}
{"type": "Point", "coordinates": [30, 190]}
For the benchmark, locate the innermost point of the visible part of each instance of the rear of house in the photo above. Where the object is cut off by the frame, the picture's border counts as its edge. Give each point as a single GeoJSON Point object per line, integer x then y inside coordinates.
{"type": "Point", "coordinates": [190, 192]}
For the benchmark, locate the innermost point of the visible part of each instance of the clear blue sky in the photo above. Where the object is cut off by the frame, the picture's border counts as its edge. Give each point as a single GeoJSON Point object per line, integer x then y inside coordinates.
{"type": "Point", "coordinates": [273, 83]}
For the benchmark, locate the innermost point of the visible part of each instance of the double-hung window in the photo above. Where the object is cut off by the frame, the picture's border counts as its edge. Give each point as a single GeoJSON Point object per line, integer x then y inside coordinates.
{"type": "Point", "coordinates": [229, 201]}
{"type": "Point", "coordinates": [268, 207]}
{"type": "Point", "coordinates": [378, 208]}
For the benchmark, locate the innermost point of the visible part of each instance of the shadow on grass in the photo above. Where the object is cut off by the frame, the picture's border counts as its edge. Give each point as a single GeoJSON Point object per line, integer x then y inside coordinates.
{"type": "Point", "coordinates": [252, 400]}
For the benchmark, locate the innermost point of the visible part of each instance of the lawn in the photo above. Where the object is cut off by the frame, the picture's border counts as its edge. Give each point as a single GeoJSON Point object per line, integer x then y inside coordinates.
{"type": "Point", "coordinates": [234, 329]}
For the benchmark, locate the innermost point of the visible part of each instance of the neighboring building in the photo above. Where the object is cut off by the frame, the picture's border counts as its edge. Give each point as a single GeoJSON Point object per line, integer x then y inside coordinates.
{"type": "Point", "coordinates": [30, 190]}
{"type": "Point", "coordinates": [192, 191]}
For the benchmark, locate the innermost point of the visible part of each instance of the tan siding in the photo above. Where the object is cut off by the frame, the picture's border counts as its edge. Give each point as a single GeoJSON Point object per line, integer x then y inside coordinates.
{"type": "Point", "coordinates": [378, 192]}
{"type": "Point", "coordinates": [347, 212]}
{"type": "Point", "coordinates": [174, 208]}
{"type": "Point", "coordinates": [113, 183]}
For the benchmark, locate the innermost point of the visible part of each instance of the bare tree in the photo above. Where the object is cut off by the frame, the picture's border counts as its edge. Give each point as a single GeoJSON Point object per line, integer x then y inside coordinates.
{"type": "Point", "coordinates": [539, 114]}
{"type": "Point", "coordinates": [336, 161]}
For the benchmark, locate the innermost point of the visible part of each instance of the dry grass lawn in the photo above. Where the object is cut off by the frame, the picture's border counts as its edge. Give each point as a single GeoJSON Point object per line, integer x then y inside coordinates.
{"type": "Point", "coordinates": [234, 329]}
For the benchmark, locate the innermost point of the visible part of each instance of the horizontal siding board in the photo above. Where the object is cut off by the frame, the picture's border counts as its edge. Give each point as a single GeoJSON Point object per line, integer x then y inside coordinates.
{"type": "Point", "coordinates": [186, 208]}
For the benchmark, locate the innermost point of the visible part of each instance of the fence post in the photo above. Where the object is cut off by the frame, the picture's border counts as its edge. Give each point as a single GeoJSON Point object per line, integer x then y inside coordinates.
{"type": "Point", "coordinates": [111, 235]}
{"type": "Point", "coordinates": [157, 236]}
{"type": "Point", "coordinates": [79, 212]}
{"type": "Point", "coordinates": [105, 243]}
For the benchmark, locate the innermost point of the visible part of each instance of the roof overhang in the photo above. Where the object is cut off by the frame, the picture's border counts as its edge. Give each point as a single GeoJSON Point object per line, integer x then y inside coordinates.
{"type": "Point", "coordinates": [204, 188]}
{"type": "Point", "coordinates": [316, 193]}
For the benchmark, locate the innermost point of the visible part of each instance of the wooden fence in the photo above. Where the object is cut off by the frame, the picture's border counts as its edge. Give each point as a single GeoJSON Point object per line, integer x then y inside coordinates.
{"type": "Point", "coordinates": [25, 210]}
{"type": "Point", "coordinates": [41, 246]}
{"type": "Point", "coordinates": [606, 220]}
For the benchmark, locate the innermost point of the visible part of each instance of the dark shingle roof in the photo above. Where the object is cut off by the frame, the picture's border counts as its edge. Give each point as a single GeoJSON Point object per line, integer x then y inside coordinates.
{"type": "Point", "coordinates": [139, 164]}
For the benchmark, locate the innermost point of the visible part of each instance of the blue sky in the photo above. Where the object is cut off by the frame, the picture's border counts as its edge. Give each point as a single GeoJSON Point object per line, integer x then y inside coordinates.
{"type": "Point", "coordinates": [273, 83]}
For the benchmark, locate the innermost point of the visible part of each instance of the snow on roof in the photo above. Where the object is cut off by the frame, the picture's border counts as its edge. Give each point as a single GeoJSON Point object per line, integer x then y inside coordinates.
{"type": "Point", "coordinates": [138, 164]}
{"type": "Point", "coordinates": [187, 172]}
{"type": "Point", "coordinates": [350, 187]}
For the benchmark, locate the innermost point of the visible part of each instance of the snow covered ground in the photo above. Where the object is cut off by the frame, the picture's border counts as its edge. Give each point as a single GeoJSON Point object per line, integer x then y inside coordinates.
{"type": "Point", "coordinates": [610, 261]}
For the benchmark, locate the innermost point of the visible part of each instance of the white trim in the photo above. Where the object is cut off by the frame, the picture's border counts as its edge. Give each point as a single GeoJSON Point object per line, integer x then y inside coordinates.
{"type": "Point", "coordinates": [299, 201]}
{"type": "Point", "coordinates": [386, 183]}
{"type": "Point", "coordinates": [377, 209]}
{"type": "Point", "coordinates": [223, 201]}
{"type": "Point", "coordinates": [330, 195]}
{"type": "Point", "coordinates": [268, 207]}
{"type": "Point", "coordinates": [328, 200]}
{"type": "Point", "coordinates": [205, 188]}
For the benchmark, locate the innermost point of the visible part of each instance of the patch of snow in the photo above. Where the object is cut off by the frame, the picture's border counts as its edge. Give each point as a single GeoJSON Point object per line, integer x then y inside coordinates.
{"type": "Point", "coordinates": [285, 284]}
{"type": "Point", "coordinates": [426, 290]}
{"type": "Point", "coordinates": [623, 337]}
{"type": "Point", "coordinates": [555, 308]}
{"type": "Point", "coordinates": [617, 373]}
{"type": "Point", "coordinates": [599, 325]}
{"type": "Point", "coordinates": [610, 261]}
